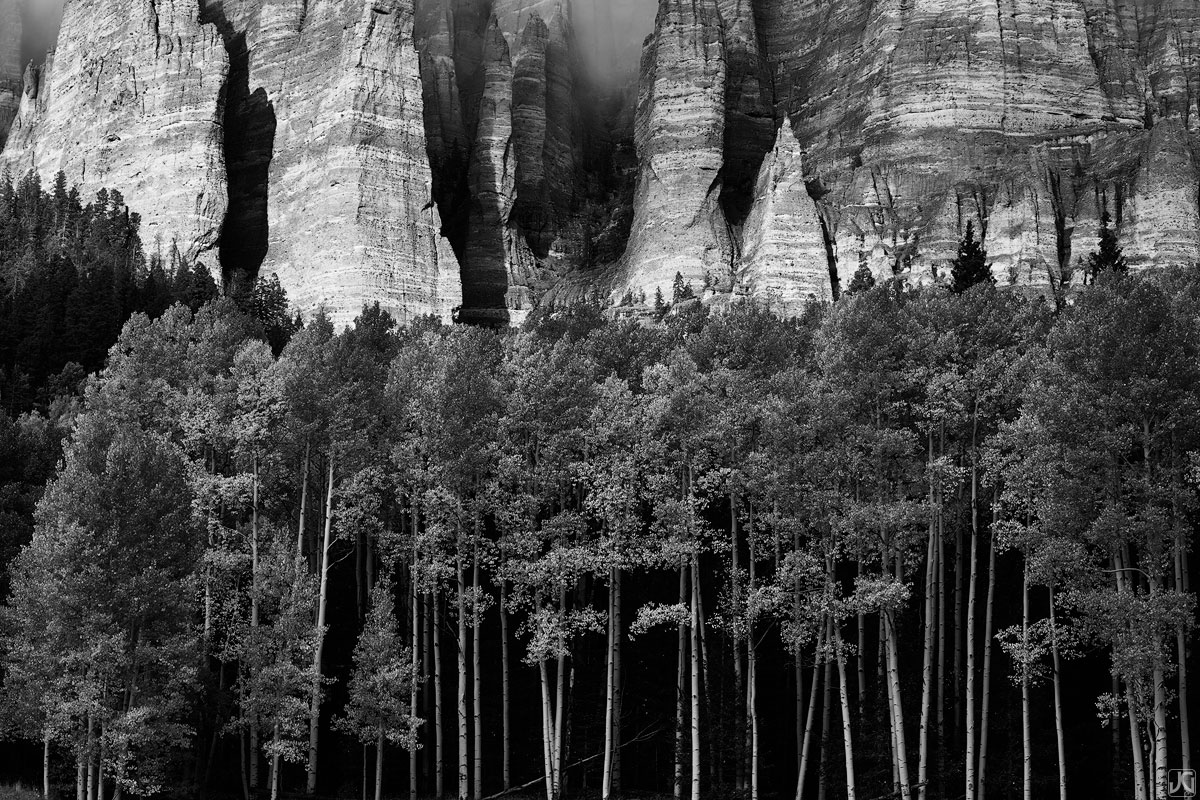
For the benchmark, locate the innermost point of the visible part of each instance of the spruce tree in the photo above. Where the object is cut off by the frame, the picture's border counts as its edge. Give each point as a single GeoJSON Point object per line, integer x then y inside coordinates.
{"type": "Point", "coordinates": [863, 281]}
{"type": "Point", "coordinates": [1109, 257]}
{"type": "Point", "coordinates": [970, 267]}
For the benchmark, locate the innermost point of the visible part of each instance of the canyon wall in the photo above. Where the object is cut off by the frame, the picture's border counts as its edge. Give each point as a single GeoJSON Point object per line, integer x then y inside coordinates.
{"type": "Point", "coordinates": [492, 155]}
{"type": "Point", "coordinates": [131, 99]}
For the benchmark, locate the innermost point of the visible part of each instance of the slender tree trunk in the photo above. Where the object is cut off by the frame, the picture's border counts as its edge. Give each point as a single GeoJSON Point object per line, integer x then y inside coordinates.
{"type": "Point", "coordinates": [680, 686]}
{"type": "Point", "coordinates": [476, 668]}
{"type": "Point", "coordinates": [46, 765]}
{"type": "Point", "coordinates": [826, 733]}
{"type": "Point", "coordinates": [100, 766]}
{"type": "Point", "coordinates": [91, 761]}
{"type": "Point", "coordinates": [379, 768]}
{"type": "Point", "coordinates": [245, 774]}
{"type": "Point", "coordinates": [847, 738]}
{"type": "Point", "coordinates": [1185, 735]}
{"type": "Point", "coordinates": [972, 781]}
{"type": "Point", "coordinates": [464, 763]}
{"type": "Point", "coordinates": [303, 502]}
{"type": "Point", "coordinates": [438, 728]}
{"type": "Point", "coordinates": [1026, 735]}
{"type": "Point", "coordinates": [254, 614]}
{"type": "Point", "coordinates": [752, 663]}
{"type": "Point", "coordinates": [805, 747]}
{"type": "Point", "coordinates": [618, 692]}
{"type": "Point", "coordinates": [1140, 787]}
{"type": "Point", "coordinates": [415, 666]}
{"type": "Point", "coordinates": [987, 669]}
{"type": "Point", "coordinates": [79, 778]}
{"type": "Point", "coordinates": [861, 657]}
{"type": "Point", "coordinates": [314, 710]}
{"type": "Point", "coordinates": [547, 729]}
{"type": "Point", "coordinates": [612, 734]}
{"type": "Point", "coordinates": [960, 562]}
{"type": "Point", "coordinates": [893, 669]}
{"type": "Point", "coordinates": [927, 651]}
{"type": "Point", "coordinates": [939, 684]}
{"type": "Point", "coordinates": [504, 688]}
{"type": "Point", "coordinates": [1058, 703]}
{"type": "Point", "coordinates": [275, 765]}
{"type": "Point", "coordinates": [560, 710]}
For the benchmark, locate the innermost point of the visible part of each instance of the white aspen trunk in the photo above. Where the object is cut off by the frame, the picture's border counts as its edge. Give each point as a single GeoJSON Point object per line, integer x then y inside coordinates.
{"type": "Point", "coordinates": [504, 688]}
{"type": "Point", "coordinates": [987, 670]}
{"type": "Point", "coordinates": [739, 680]}
{"type": "Point", "coordinates": [303, 504]}
{"type": "Point", "coordinates": [379, 768]}
{"type": "Point", "coordinates": [972, 784]}
{"type": "Point", "coordinates": [79, 778]}
{"type": "Point", "coordinates": [438, 730]}
{"type": "Point", "coordinates": [254, 614]}
{"type": "Point", "coordinates": [464, 755]}
{"type": "Point", "coordinates": [893, 670]}
{"type": "Point", "coordinates": [696, 764]}
{"type": "Point", "coordinates": [826, 695]}
{"type": "Point", "coordinates": [1160, 732]}
{"type": "Point", "coordinates": [860, 659]}
{"type": "Point", "coordinates": [1058, 703]}
{"type": "Point", "coordinates": [1026, 735]}
{"type": "Point", "coordinates": [610, 689]}
{"type": "Point", "coordinates": [314, 710]}
{"type": "Point", "coordinates": [843, 693]}
{"type": "Point", "coordinates": [561, 703]}
{"type": "Point", "coordinates": [1185, 736]}
{"type": "Point", "coordinates": [46, 765]}
{"type": "Point", "coordinates": [927, 650]}
{"type": "Point", "coordinates": [1141, 789]}
{"type": "Point", "coordinates": [476, 670]}
{"type": "Point", "coordinates": [618, 629]}
{"type": "Point", "coordinates": [414, 666]}
{"type": "Point", "coordinates": [100, 766]}
{"type": "Point", "coordinates": [680, 687]}
{"type": "Point", "coordinates": [275, 764]}
{"type": "Point", "coordinates": [547, 729]}
{"type": "Point", "coordinates": [959, 570]}
{"type": "Point", "coordinates": [812, 709]}
{"type": "Point", "coordinates": [91, 761]}
{"type": "Point", "coordinates": [752, 666]}
{"type": "Point", "coordinates": [939, 684]}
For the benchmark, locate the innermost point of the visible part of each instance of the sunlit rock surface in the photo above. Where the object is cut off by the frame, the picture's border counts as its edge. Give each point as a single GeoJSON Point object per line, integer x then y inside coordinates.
{"type": "Point", "coordinates": [131, 99]}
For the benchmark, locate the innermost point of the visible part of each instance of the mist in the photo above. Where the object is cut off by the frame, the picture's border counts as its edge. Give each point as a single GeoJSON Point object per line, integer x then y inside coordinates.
{"type": "Point", "coordinates": [610, 34]}
{"type": "Point", "coordinates": [40, 20]}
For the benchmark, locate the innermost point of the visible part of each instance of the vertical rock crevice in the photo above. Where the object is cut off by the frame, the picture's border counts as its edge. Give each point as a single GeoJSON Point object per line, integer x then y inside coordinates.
{"type": "Point", "coordinates": [249, 125]}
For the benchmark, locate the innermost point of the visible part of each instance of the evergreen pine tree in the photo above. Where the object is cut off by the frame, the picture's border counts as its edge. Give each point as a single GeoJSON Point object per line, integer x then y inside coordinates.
{"type": "Point", "coordinates": [863, 281]}
{"type": "Point", "coordinates": [1109, 257]}
{"type": "Point", "coordinates": [970, 267]}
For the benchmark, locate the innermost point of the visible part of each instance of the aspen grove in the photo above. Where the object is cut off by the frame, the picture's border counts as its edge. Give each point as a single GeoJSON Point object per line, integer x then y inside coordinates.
{"type": "Point", "coordinates": [914, 544]}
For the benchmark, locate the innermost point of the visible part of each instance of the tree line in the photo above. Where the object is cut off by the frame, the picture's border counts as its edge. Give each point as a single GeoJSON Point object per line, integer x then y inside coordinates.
{"type": "Point", "coordinates": [917, 543]}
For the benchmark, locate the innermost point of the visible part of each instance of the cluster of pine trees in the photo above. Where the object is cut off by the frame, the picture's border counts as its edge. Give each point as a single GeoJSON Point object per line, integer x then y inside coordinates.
{"type": "Point", "coordinates": [915, 544]}
{"type": "Point", "coordinates": [71, 273]}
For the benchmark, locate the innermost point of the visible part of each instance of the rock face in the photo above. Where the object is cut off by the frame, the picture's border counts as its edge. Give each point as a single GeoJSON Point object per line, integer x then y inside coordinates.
{"type": "Point", "coordinates": [131, 99]}
{"type": "Point", "coordinates": [678, 225]}
{"type": "Point", "coordinates": [10, 65]}
{"type": "Point", "coordinates": [482, 153]}
{"type": "Point", "coordinates": [331, 114]}
{"type": "Point", "coordinates": [1026, 118]}
{"type": "Point", "coordinates": [784, 261]}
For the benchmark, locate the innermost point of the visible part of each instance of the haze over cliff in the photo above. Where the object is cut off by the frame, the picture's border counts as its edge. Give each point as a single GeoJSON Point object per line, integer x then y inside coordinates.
{"type": "Point", "coordinates": [495, 154]}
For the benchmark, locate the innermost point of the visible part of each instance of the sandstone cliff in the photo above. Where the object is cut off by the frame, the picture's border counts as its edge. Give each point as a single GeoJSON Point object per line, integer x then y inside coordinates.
{"type": "Point", "coordinates": [131, 99]}
{"type": "Point", "coordinates": [678, 225]}
{"type": "Point", "coordinates": [364, 150]}
{"type": "Point", "coordinates": [331, 116]}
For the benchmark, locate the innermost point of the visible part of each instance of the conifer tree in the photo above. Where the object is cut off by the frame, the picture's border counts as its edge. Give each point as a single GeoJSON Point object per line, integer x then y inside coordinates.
{"type": "Point", "coordinates": [970, 267]}
{"type": "Point", "coordinates": [1108, 258]}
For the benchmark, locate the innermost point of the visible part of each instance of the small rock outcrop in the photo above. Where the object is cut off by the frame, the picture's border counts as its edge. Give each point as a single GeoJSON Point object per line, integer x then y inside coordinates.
{"type": "Point", "coordinates": [131, 99]}
{"type": "Point", "coordinates": [785, 259]}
